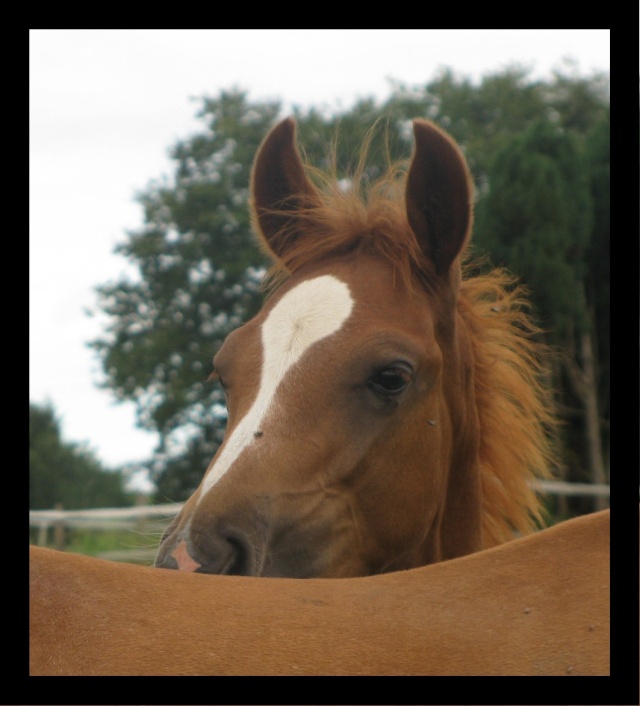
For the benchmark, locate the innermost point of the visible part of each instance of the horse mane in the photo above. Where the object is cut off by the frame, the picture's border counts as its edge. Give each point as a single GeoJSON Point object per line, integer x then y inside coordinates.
{"type": "Point", "coordinates": [368, 216]}
{"type": "Point", "coordinates": [515, 408]}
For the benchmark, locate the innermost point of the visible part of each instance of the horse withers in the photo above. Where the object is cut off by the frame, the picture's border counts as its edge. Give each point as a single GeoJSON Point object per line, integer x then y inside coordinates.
{"type": "Point", "coordinates": [384, 407]}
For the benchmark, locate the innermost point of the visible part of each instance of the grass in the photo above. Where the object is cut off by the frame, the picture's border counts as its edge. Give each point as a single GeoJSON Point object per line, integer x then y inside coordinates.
{"type": "Point", "coordinates": [131, 545]}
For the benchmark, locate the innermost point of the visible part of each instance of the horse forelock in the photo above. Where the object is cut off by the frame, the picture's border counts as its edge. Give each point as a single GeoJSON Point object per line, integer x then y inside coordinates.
{"type": "Point", "coordinates": [352, 217]}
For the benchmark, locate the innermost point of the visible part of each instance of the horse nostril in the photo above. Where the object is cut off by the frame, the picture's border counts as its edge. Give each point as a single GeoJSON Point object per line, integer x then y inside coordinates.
{"type": "Point", "coordinates": [223, 552]}
{"type": "Point", "coordinates": [184, 560]}
{"type": "Point", "coordinates": [241, 557]}
{"type": "Point", "coordinates": [164, 560]}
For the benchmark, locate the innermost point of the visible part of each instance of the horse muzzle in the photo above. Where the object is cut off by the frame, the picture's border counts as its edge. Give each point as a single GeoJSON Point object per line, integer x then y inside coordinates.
{"type": "Point", "coordinates": [223, 553]}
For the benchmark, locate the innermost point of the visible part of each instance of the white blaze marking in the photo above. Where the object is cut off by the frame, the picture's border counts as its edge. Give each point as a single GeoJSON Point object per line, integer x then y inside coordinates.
{"type": "Point", "coordinates": [306, 314]}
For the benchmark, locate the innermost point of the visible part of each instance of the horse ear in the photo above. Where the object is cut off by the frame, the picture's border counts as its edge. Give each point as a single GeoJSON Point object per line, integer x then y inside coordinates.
{"type": "Point", "coordinates": [279, 188]}
{"type": "Point", "coordinates": [438, 196]}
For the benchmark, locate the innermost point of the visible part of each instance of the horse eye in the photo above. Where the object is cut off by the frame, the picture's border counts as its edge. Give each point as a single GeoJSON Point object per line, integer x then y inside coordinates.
{"type": "Point", "coordinates": [390, 381]}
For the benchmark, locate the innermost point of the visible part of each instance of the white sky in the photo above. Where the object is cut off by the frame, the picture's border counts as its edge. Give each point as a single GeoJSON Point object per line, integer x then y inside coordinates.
{"type": "Point", "coordinates": [106, 106]}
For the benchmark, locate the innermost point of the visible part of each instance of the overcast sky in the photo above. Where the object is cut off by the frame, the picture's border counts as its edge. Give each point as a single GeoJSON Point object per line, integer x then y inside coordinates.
{"type": "Point", "coordinates": [106, 106]}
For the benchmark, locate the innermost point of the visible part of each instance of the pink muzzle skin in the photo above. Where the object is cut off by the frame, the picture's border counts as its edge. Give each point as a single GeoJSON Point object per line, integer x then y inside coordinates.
{"type": "Point", "coordinates": [182, 556]}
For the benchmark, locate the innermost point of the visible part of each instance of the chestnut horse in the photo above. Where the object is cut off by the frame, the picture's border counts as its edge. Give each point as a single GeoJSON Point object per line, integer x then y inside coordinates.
{"type": "Point", "coordinates": [534, 606]}
{"type": "Point", "coordinates": [384, 411]}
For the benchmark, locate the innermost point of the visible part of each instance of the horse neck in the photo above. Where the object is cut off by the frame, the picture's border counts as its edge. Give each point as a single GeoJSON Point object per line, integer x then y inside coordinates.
{"type": "Point", "coordinates": [460, 526]}
{"type": "Point", "coordinates": [457, 529]}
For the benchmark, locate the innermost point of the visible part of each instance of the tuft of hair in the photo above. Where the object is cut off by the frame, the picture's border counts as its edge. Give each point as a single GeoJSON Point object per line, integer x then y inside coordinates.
{"type": "Point", "coordinates": [361, 213]}
{"type": "Point", "coordinates": [515, 407]}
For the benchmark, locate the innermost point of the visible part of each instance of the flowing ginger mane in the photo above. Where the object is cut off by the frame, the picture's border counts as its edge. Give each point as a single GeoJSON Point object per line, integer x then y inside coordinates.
{"type": "Point", "coordinates": [514, 408]}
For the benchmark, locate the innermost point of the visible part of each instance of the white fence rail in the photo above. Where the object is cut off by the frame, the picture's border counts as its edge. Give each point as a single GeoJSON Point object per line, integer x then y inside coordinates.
{"type": "Point", "coordinates": [126, 516]}
{"type": "Point", "coordinates": [130, 518]}
{"type": "Point", "coordinates": [102, 518]}
{"type": "Point", "coordinates": [558, 487]}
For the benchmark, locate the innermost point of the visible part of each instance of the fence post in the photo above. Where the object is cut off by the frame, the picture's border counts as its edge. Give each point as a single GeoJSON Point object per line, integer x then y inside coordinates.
{"type": "Point", "coordinates": [141, 501]}
{"type": "Point", "coordinates": [58, 530]}
{"type": "Point", "coordinates": [43, 534]}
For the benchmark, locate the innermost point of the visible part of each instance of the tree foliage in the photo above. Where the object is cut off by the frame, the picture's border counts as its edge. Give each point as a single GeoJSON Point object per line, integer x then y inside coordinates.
{"type": "Point", "coordinates": [536, 219]}
{"type": "Point", "coordinates": [539, 154]}
{"type": "Point", "coordinates": [65, 472]}
{"type": "Point", "coordinates": [597, 152]}
{"type": "Point", "coordinates": [199, 279]}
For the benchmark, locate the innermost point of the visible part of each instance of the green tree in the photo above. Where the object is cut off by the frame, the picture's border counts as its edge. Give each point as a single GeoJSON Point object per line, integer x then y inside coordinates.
{"type": "Point", "coordinates": [199, 279]}
{"type": "Point", "coordinates": [200, 269]}
{"type": "Point", "coordinates": [483, 117]}
{"type": "Point", "coordinates": [537, 219]}
{"type": "Point", "coordinates": [592, 377]}
{"type": "Point", "coordinates": [66, 472]}
{"type": "Point", "coordinates": [597, 149]}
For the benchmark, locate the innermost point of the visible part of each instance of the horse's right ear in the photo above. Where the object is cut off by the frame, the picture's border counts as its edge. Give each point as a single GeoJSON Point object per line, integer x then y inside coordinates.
{"type": "Point", "coordinates": [280, 189]}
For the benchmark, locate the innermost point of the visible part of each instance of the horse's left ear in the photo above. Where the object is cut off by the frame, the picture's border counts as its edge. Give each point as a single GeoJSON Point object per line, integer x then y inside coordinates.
{"type": "Point", "coordinates": [439, 196]}
{"type": "Point", "coordinates": [280, 189]}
